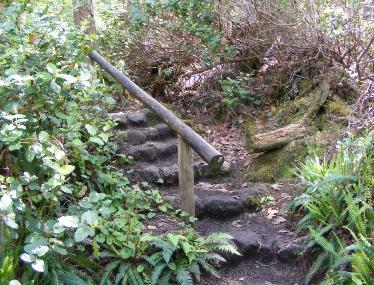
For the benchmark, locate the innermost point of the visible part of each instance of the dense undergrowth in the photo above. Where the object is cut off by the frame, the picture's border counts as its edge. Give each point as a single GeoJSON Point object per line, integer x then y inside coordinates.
{"type": "Point", "coordinates": [68, 215]}
{"type": "Point", "coordinates": [338, 213]}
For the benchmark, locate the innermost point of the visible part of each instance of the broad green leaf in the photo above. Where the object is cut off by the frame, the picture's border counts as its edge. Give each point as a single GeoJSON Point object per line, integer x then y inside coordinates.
{"type": "Point", "coordinates": [43, 136]}
{"type": "Point", "coordinates": [59, 250]}
{"type": "Point", "coordinates": [38, 265]}
{"type": "Point", "coordinates": [10, 220]}
{"type": "Point", "coordinates": [28, 258]}
{"type": "Point", "coordinates": [96, 140]}
{"type": "Point", "coordinates": [6, 203]}
{"type": "Point", "coordinates": [68, 78]}
{"type": "Point", "coordinates": [45, 76]}
{"type": "Point", "coordinates": [52, 68]}
{"type": "Point", "coordinates": [69, 221]}
{"type": "Point", "coordinates": [30, 154]}
{"type": "Point", "coordinates": [37, 246]}
{"type": "Point", "coordinates": [125, 253]}
{"type": "Point", "coordinates": [66, 169]}
{"type": "Point", "coordinates": [90, 217]}
{"type": "Point", "coordinates": [104, 137]}
{"type": "Point", "coordinates": [91, 129]}
{"type": "Point", "coordinates": [55, 87]}
{"type": "Point", "coordinates": [82, 233]}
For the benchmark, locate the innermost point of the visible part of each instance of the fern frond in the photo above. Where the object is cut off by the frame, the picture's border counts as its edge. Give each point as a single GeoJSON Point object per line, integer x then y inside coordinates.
{"type": "Point", "coordinates": [156, 272]}
{"type": "Point", "coordinates": [316, 266]}
{"type": "Point", "coordinates": [108, 271]}
{"type": "Point", "coordinates": [184, 277]}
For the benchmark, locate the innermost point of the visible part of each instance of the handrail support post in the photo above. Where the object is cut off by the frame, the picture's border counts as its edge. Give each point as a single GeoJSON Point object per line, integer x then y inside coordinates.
{"type": "Point", "coordinates": [186, 177]}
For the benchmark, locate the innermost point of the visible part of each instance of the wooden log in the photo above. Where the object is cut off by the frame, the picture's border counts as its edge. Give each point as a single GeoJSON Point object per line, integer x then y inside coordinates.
{"type": "Point", "coordinates": [204, 149]}
{"type": "Point", "coordinates": [277, 138]}
{"type": "Point", "coordinates": [186, 177]}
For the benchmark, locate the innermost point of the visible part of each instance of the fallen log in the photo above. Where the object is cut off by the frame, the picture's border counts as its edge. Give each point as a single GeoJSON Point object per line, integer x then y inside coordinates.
{"type": "Point", "coordinates": [277, 138]}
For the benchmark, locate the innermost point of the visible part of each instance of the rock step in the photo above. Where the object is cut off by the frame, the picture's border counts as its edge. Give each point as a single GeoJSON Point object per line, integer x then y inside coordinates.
{"type": "Point", "coordinates": [168, 174]}
{"type": "Point", "coordinates": [143, 118]}
{"type": "Point", "coordinates": [140, 136]}
{"type": "Point", "coordinates": [253, 245]}
{"type": "Point", "coordinates": [152, 151]}
{"type": "Point", "coordinates": [222, 206]}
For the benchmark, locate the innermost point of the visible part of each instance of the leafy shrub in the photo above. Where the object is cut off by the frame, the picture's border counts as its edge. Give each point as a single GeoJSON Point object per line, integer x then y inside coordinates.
{"type": "Point", "coordinates": [64, 207]}
{"type": "Point", "coordinates": [236, 92]}
{"type": "Point", "coordinates": [338, 212]}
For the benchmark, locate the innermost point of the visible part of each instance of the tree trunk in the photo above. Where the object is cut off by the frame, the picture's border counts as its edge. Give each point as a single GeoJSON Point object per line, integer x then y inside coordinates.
{"type": "Point", "coordinates": [84, 14]}
{"type": "Point", "coordinates": [277, 138]}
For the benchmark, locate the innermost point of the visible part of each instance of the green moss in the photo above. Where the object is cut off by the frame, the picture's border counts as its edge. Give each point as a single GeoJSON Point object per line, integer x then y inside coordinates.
{"type": "Point", "coordinates": [338, 107]}
{"type": "Point", "coordinates": [272, 165]}
{"type": "Point", "coordinates": [292, 111]}
{"type": "Point", "coordinates": [249, 129]}
{"type": "Point", "coordinates": [306, 85]}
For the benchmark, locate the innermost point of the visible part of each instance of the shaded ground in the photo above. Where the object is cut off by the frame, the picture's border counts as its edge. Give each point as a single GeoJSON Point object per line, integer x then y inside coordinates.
{"type": "Point", "coordinates": [270, 224]}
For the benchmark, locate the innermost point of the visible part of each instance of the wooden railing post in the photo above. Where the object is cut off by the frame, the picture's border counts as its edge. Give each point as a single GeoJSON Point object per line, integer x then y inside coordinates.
{"type": "Point", "coordinates": [186, 177]}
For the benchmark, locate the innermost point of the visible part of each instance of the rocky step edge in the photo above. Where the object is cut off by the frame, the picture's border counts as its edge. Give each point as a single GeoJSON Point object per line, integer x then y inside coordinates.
{"type": "Point", "coordinates": [140, 119]}
{"type": "Point", "coordinates": [250, 244]}
{"type": "Point", "coordinates": [167, 174]}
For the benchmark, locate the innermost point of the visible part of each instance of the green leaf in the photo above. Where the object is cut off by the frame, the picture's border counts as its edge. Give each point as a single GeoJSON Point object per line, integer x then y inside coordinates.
{"type": "Point", "coordinates": [43, 136]}
{"type": "Point", "coordinates": [91, 129]}
{"type": "Point", "coordinates": [104, 137]}
{"type": "Point", "coordinates": [38, 265]}
{"type": "Point", "coordinates": [66, 169]}
{"type": "Point", "coordinates": [126, 253]}
{"type": "Point", "coordinates": [69, 221]}
{"type": "Point", "coordinates": [55, 87]}
{"type": "Point", "coordinates": [96, 140]}
{"type": "Point", "coordinates": [82, 233]}
{"type": "Point", "coordinates": [68, 78]}
{"type": "Point", "coordinates": [59, 250]}
{"type": "Point", "coordinates": [90, 217]}
{"type": "Point", "coordinates": [28, 258]}
{"type": "Point", "coordinates": [30, 154]}
{"type": "Point", "coordinates": [45, 76]}
{"type": "Point", "coordinates": [52, 68]}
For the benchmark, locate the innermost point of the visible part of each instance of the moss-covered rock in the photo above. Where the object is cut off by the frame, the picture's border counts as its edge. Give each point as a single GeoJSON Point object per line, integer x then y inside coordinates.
{"type": "Point", "coordinates": [338, 107]}
{"type": "Point", "coordinates": [293, 111]}
{"type": "Point", "coordinates": [272, 165]}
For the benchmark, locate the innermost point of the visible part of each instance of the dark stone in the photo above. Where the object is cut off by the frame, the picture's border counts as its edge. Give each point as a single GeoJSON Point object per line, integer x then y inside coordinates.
{"type": "Point", "coordinates": [251, 196]}
{"type": "Point", "coordinates": [268, 248]}
{"type": "Point", "coordinates": [163, 131]}
{"type": "Point", "coordinates": [121, 118]}
{"type": "Point", "coordinates": [222, 206]}
{"type": "Point", "coordinates": [289, 252]}
{"type": "Point", "coordinates": [202, 170]}
{"type": "Point", "coordinates": [170, 174]}
{"type": "Point", "coordinates": [199, 207]}
{"type": "Point", "coordinates": [167, 149]}
{"type": "Point", "coordinates": [150, 173]}
{"type": "Point", "coordinates": [137, 119]}
{"type": "Point", "coordinates": [248, 242]}
{"type": "Point", "coordinates": [144, 153]}
{"type": "Point", "coordinates": [136, 137]}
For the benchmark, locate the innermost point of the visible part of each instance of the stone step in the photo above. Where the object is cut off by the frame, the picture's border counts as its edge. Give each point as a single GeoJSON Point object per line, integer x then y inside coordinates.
{"type": "Point", "coordinates": [143, 118]}
{"type": "Point", "coordinates": [167, 172]}
{"type": "Point", "coordinates": [138, 136]}
{"type": "Point", "coordinates": [223, 206]}
{"type": "Point", "coordinates": [152, 151]}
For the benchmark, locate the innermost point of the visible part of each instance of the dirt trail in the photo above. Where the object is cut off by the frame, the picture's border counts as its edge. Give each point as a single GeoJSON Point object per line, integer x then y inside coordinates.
{"type": "Point", "coordinates": [254, 214]}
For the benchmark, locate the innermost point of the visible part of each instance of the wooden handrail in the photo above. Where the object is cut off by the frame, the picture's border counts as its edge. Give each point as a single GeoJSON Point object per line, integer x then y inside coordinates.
{"type": "Point", "coordinates": [197, 143]}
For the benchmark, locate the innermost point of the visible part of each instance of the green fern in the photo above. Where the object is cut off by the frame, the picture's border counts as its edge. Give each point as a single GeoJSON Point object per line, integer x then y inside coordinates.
{"type": "Point", "coordinates": [337, 204]}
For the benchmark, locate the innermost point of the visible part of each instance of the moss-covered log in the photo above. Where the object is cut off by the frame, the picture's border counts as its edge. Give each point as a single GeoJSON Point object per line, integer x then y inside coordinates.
{"type": "Point", "coordinates": [277, 138]}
